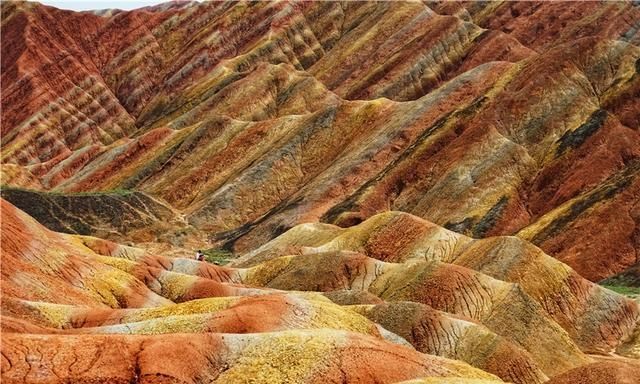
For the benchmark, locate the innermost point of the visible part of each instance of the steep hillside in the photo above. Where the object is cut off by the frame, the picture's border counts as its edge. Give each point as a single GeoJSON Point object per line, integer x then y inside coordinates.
{"type": "Point", "coordinates": [250, 118]}
{"type": "Point", "coordinates": [399, 191]}
{"type": "Point", "coordinates": [115, 215]}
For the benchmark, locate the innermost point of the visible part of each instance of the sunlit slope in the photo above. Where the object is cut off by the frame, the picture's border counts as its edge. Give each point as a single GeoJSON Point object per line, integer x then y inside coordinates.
{"type": "Point", "coordinates": [488, 119]}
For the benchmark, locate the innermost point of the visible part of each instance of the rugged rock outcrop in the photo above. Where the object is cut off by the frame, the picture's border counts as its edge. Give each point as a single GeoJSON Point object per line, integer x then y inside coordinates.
{"type": "Point", "coordinates": [116, 215]}
{"type": "Point", "coordinates": [489, 119]}
{"type": "Point", "coordinates": [425, 298]}
{"type": "Point", "coordinates": [417, 191]}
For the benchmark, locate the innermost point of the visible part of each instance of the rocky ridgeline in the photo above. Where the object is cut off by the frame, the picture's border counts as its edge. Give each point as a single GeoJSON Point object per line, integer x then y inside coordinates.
{"type": "Point", "coordinates": [250, 118]}
{"type": "Point", "coordinates": [347, 300]}
{"type": "Point", "coordinates": [419, 192]}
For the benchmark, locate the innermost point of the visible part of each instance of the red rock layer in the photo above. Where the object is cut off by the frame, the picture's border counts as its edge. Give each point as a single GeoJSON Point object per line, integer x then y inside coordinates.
{"type": "Point", "coordinates": [58, 325]}
{"type": "Point", "coordinates": [504, 117]}
{"type": "Point", "coordinates": [609, 372]}
{"type": "Point", "coordinates": [244, 119]}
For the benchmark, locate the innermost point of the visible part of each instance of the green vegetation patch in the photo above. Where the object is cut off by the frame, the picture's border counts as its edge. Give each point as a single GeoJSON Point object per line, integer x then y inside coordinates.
{"type": "Point", "coordinates": [218, 256]}
{"type": "Point", "coordinates": [623, 290]}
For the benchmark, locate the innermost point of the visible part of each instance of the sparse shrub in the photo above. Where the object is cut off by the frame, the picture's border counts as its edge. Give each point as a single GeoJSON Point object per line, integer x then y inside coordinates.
{"type": "Point", "coordinates": [217, 256]}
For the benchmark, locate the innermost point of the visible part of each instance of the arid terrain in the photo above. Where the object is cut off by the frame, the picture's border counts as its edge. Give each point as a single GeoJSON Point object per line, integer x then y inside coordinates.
{"type": "Point", "coordinates": [385, 192]}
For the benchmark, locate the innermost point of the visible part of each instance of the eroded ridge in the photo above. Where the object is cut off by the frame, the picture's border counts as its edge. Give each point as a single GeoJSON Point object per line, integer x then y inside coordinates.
{"type": "Point", "coordinates": [429, 293]}
{"type": "Point", "coordinates": [250, 118]}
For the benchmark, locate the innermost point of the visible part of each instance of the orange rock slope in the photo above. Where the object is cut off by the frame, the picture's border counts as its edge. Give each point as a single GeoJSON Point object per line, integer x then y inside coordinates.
{"type": "Point", "coordinates": [410, 192]}
{"type": "Point", "coordinates": [437, 304]}
{"type": "Point", "coordinates": [497, 118]}
{"type": "Point", "coordinates": [69, 313]}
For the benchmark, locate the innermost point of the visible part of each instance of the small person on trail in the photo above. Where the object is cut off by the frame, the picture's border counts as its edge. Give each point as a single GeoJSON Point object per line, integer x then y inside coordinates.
{"type": "Point", "coordinates": [199, 255]}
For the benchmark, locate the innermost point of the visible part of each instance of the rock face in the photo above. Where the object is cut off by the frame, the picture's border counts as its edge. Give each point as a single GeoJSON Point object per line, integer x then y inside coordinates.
{"type": "Point", "coordinates": [120, 215]}
{"type": "Point", "coordinates": [429, 292]}
{"type": "Point", "coordinates": [488, 119]}
{"type": "Point", "coordinates": [63, 299]}
{"type": "Point", "coordinates": [416, 191]}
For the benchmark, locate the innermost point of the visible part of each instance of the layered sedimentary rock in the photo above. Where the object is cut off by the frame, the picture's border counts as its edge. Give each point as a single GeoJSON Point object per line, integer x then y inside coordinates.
{"type": "Point", "coordinates": [442, 334]}
{"type": "Point", "coordinates": [61, 298]}
{"type": "Point", "coordinates": [41, 265]}
{"type": "Point", "coordinates": [320, 356]}
{"type": "Point", "coordinates": [430, 291]}
{"type": "Point", "coordinates": [489, 119]}
{"type": "Point", "coordinates": [427, 251]}
{"type": "Point", "coordinates": [118, 215]}
{"type": "Point", "coordinates": [416, 192]}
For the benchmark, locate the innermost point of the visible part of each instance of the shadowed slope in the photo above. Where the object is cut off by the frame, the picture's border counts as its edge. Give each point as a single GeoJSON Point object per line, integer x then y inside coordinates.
{"type": "Point", "coordinates": [117, 215]}
{"type": "Point", "coordinates": [627, 278]}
